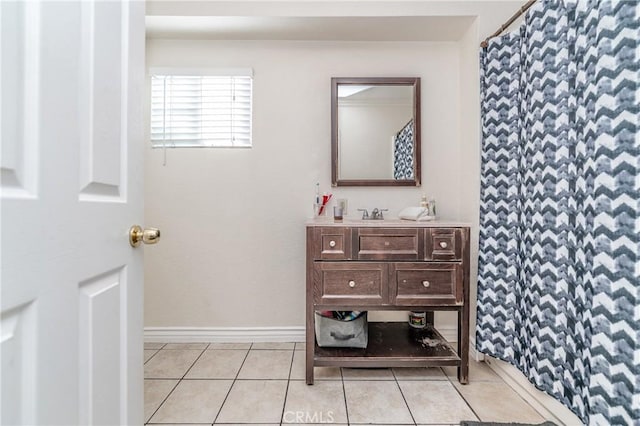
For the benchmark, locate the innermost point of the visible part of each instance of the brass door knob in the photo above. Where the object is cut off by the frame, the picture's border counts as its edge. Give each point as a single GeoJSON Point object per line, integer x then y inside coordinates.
{"type": "Point", "coordinates": [148, 236]}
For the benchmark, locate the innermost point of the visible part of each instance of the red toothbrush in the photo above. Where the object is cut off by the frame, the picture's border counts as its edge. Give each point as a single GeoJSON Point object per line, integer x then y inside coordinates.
{"type": "Point", "coordinates": [325, 200]}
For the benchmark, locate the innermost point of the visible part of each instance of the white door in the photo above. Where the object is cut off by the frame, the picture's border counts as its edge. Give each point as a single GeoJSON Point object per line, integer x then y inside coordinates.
{"type": "Point", "coordinates": [71, 186]}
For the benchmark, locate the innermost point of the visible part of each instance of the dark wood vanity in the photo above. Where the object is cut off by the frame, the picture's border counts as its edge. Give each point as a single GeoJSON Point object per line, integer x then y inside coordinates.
{"type": "Point", "coordinates": [389, 265]}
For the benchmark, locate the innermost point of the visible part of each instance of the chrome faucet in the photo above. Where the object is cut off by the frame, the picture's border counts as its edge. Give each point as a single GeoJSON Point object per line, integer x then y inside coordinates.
{"type": "Point", "coordinates": [376, 214]}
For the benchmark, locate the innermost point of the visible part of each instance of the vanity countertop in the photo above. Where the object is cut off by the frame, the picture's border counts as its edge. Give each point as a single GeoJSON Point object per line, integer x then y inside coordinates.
{"type": "Point", "coordinates": [386, 223]}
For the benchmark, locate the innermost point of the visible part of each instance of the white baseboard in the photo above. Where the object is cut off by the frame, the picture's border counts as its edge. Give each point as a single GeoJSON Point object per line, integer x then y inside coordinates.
{"type": "Point", "coordinates": [547, 406]}
{"type": "Point", "coordinates": [224, 334]}
{"type": "Point", "coordinates": [243, 334]}
{"type": "Point", "coordinates": [473, 353]}
{"type": "Point", "coordinates": [450, 333]}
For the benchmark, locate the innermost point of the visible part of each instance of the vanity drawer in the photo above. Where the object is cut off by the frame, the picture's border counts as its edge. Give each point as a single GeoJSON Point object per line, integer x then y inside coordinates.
{"type": "Point", "coordinates": [354, 284]}
{"type": "Point", "coordinates": [333, 243]}
{"type": "Point", "coordinates": [443, 244]}
{"type": "Point", "coordinates": [388, 244]}
{"type": "Point", "coordinates": [420, 284]}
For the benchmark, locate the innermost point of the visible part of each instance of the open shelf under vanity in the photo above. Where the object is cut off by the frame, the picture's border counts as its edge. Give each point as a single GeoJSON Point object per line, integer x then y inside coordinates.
{"type": "Point", "coordinates": [393, 344]}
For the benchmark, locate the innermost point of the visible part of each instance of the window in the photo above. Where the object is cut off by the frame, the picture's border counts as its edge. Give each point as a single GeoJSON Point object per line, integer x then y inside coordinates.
{"type": "Point", "coordinates": [191, 109]}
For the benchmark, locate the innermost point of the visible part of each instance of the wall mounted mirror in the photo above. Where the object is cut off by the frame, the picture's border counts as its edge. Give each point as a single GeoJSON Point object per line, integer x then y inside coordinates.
{"type": "Point", "coordinates": [375, 131]}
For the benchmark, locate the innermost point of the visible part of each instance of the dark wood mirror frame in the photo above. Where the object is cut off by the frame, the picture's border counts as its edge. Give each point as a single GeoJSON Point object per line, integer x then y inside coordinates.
{"type": "Point", "coordinates": [375, 81]}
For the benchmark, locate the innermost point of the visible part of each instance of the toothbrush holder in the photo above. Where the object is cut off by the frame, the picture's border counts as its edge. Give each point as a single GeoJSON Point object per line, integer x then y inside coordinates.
{"type": "Point", "coordinates": [319, 210]}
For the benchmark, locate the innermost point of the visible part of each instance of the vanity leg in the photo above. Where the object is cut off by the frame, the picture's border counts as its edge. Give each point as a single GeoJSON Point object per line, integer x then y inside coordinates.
{"type": "Point", "coordinates": [463, 346]}
{"type": "Point", "coordinates": [309, 370]}
{"type": "Point", "coordinates": [463, 315]}
{"type": "Point", "coordinates": [310, 343]}
{"type": "Point", "coordinates": [310, 346]}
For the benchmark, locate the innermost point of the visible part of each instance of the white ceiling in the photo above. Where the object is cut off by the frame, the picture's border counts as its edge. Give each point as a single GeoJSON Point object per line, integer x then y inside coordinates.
{"type": "Point", "coordinates": [352, 28]}
{"type": "Point", "coordinates": [331, 20]}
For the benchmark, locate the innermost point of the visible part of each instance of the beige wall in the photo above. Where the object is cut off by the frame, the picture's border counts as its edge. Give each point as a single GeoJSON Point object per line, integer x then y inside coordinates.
{"type": "Point", "coordinates": [233, 248]}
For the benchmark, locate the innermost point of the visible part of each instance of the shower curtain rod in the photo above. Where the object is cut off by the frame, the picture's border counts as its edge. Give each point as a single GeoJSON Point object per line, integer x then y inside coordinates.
{"type": "Point", "coordinates": [506, 25]}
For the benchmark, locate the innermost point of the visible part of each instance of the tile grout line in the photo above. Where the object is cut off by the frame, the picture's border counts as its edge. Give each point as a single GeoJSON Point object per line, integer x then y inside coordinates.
{"type": "Point", "coordinates": [519, 396]}
{"type": "Point", "coordinates": [235, 379]}
{"type": "Point", "coordinates": [403, 397]}
{"type": "Point", "coordinates": [461, 395]}
{"type": "Point", "coordinates": [163, 401]}
{"type": "Point", "coordinates": [151, 357]}
{"type": "Point", "coordinates": [344, 395]}
{"type": "Point", "coordinates": [177, 383]}
{"type": "Point", "coordinates": [194, 362]}
{"type": "Point", "coordinates": [286, 392]}
{"type": "Point", "coordinates": [501, 381]}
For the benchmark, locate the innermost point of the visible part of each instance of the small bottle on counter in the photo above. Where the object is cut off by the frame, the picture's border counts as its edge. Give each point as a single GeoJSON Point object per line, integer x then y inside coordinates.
{"type": "Point", "coordinates": [424, 203]}
{"type": "Point", "coordinates": [337, 213]}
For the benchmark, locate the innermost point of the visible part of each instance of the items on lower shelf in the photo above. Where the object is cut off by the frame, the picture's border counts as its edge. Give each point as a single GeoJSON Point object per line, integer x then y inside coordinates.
{"type": "Point", "coordinates": [342, 329]}
{"type": "Point", "coordinates": [390, 342]}
{"type": "Point", "coordinates": [417, 319]}
{"type": "Point", "coordinates": [341, 315]}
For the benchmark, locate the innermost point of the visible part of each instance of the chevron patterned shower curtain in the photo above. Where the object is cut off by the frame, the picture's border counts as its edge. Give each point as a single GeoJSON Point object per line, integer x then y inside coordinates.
{"type": "Point", "coordinates": [403, 153]}
{"type": "Point", "coordinates": [559, 268]}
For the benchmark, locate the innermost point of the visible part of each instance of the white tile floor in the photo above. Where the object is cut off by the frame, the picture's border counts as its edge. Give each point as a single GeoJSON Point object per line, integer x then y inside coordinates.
{"type": "Point", "coordinates": [263, 383]}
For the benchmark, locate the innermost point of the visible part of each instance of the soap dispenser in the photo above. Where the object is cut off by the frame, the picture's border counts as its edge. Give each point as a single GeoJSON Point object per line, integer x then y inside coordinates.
{"type": "Point", "coordinates": [432, 207]}
{"type": "Point", "coordinates": [424, 203]}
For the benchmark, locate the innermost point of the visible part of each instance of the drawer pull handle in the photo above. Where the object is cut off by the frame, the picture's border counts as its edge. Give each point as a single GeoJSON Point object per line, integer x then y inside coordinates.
{"type": "Point", "coordinates": [426, 283]}
{"type": "Point", "coordinates": [443, 244]}
{"type": "Point", "coordinates": [332, 243]}
{"type": "Point", "coordinates": [352, 283]}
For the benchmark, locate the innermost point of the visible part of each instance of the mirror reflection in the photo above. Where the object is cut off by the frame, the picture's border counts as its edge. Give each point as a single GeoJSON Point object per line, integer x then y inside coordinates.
{"type": "Point", "coordinates": [375, 137]}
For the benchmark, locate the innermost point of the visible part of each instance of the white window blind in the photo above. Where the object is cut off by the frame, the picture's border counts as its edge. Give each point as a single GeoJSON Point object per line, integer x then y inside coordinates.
{"type": "Point", "coordinates": [201, 110]}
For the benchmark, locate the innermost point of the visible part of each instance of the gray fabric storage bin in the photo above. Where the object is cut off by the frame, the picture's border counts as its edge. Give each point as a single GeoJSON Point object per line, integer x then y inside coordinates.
{"type": "Point", "coordinates": [333, 333]}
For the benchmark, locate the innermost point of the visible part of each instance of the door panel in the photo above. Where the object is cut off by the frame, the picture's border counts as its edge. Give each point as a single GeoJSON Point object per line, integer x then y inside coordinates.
{"type": "Point", "coordinates": [103, 101]}
{"type": "Point", "coordinates": [71, 294]}
{"type": "Point", "coordinates": [17, 327]}
{"type": "Point", "coordinates": [102, 329]}
{"type": "Point", "coordinates": [19, 55]}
